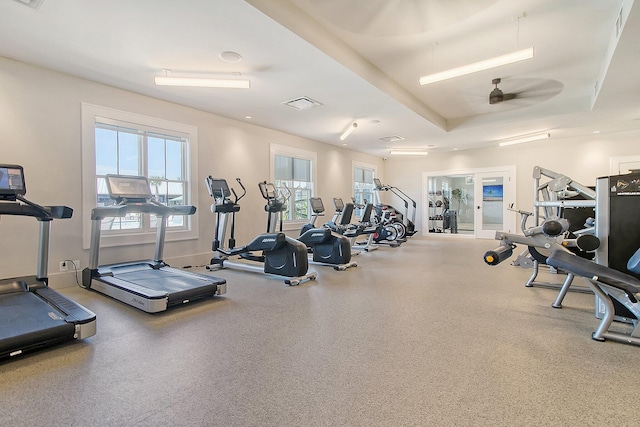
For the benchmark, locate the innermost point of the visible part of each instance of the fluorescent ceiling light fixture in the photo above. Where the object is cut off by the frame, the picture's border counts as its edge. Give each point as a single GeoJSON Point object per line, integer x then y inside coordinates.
{"type": "Point", "coordinates": [410, 152]}
{"type": "Point", "coordinates": [202, 82]}
{"type": "Point", "coordinates": [347, 132]}
{"type": "Point", "coordinates": [498, 61]}
{"type": "Point", "coordinates": [528, 138]}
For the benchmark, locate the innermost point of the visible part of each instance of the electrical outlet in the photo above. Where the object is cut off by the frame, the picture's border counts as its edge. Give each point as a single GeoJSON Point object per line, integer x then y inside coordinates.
{"type": "Point", "coordinates": [66, 265]}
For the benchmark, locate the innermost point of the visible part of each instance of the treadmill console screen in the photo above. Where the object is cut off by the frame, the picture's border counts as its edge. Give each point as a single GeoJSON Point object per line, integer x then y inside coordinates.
{"type": "Point", "coordinates": [316, 204]}
{"type": "Point", "coordinates": [377, 183]}
{"type": "Point", "coordinates": [128, 187]}
{"type": "Point", "coordinates": [338, 203]}
{"type": "Point", "coordinates": [219, 188]}
{"type": "Point", "coordinates": [12, 181]}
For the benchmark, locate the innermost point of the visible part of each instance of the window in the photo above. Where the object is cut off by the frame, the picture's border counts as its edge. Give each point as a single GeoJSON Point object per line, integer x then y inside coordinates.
{"type": "Point", "coordinates": [116, 142]}
{"type": "Point", "coordinates": [127, 151]}
{"type": "Point", "coordinates": [293, 175]}
{"type": "Point", "coordinates": [363, 186]}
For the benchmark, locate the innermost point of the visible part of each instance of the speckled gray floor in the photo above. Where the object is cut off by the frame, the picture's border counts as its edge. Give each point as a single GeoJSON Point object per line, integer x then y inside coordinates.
{"type": "Point", "coordinates": [422, 335]}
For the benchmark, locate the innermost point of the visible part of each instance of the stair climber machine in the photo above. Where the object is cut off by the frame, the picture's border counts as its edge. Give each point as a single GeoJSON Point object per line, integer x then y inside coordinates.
{"type": "Point", "coordinates": [408, 219]}
{"type": "Point", "coordinates": [32, 315]}
{"type": "Point", "coordinates": [150, 285]}
{"type": "Point", "coordinates": [326, 247]}
{"type": "Point", "coordinates": [269, 253]}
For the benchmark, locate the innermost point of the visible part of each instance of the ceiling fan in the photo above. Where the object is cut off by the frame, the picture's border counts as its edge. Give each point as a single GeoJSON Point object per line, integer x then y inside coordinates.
{"type": "Point", "coordinates": [497, 96]}
{"type": "Point", "coordinates": [524, 92]}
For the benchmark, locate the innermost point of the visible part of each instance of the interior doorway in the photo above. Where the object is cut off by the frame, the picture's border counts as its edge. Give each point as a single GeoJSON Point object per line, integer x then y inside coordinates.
{"type": "Point", "coordinates": [472, 203]}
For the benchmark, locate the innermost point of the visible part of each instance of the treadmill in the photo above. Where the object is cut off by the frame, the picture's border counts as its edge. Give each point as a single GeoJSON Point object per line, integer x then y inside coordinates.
{"type": "Point", "coordinates": [32, 315]}
{"type": "Point", "coordinates": [150, 285]}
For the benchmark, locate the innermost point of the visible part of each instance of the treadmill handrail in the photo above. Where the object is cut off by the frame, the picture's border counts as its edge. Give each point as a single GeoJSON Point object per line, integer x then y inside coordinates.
{"type": "Point", "coordinates": [45, 214]}
{"type": "Point", "coordinates": [101, 212]}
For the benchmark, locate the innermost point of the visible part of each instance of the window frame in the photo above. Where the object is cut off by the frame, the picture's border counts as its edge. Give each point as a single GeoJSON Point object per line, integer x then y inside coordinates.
{"type": "Point", "coordinates": [282, 150]}
{"type": "Point", "coordinates": [361, 165]}
{"type": "Point", "coordinates": [91, 114]}
{"type": "Point", "coordinates": [143, 138]}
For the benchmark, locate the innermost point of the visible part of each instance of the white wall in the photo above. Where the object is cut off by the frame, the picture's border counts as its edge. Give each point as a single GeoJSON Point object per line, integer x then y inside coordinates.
{"type": "Point", "coordinates": [40, 124]}
{"type": "Point", "coordinates": [582, 159]}
{"type": "Point", "coordinates": [41, 130]}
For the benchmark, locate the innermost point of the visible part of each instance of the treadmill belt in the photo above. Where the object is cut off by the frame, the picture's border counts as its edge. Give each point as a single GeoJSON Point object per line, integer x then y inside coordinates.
{"type": "Point", "coordinates": [27, 321]}
{"type": "Point", "coordinates": [165, 279]}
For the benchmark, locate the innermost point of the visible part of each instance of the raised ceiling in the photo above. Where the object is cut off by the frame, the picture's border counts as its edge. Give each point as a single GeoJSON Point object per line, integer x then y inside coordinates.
{"type": "Point", "coordinates": [360, 59]}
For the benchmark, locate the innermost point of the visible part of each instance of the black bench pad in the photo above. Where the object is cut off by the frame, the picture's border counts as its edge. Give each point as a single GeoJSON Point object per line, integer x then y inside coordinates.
{"type": "Point", "coordinates": [585, 268]}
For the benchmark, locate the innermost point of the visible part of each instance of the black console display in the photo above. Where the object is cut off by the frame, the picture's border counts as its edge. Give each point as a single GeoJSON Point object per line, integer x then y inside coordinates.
{"type": "Point", "coordinates": [316, 204]}
{"type": "Point", "coordinates": [128, 187]}
{"type": "Point", "coordinates": [338, 204]}
{"type": "Point", "coordinates": [219, 188]}
{"type": "Point", "coordinates": [12, 181]}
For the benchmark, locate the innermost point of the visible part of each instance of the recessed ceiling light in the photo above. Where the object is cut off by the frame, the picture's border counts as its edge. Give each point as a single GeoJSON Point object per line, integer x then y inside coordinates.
{"type": "Point", "coordinates": [596, 131]}
{"type": "Point", "coordinates": [248, 117]}
{"type": "Point", "coordinates": [229, 56]}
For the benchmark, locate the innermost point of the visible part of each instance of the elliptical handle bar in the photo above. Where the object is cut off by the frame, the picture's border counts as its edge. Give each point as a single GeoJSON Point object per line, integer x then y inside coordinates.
{"type": "Point", "coordinates": [289, 192]}
{"type": "Point", "coordinates": [244, 191]}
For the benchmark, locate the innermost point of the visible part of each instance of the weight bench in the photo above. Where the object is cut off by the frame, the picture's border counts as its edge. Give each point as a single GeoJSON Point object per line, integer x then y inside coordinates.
{"type": "Point", "coordinates": [610, 285]}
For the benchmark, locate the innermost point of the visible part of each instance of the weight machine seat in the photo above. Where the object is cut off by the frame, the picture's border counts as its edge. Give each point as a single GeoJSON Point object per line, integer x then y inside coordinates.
{"type": "Point", "coordinates": [599, 273]}
{"type": "Point", "coordinates": [617, 294]}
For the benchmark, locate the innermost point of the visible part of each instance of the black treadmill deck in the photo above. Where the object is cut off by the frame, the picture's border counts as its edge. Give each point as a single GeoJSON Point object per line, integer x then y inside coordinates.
{"type": "Point", "coordinates": [29, 322]}
{"type": "Point", "coordinates": [147, 280]}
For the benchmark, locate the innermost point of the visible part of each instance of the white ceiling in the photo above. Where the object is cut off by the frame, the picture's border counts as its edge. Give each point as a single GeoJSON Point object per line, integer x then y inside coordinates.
{"type": "Point", "coordinates": [360, 58]}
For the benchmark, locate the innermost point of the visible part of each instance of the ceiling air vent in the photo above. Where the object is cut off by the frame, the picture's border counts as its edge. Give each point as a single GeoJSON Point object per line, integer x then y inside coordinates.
{"type": "Point", "coordinates": [392, 138]}
{"type": "Point", "coordinates": [32, 3]}
{"type": "Point", "coordinates": [302, 103]}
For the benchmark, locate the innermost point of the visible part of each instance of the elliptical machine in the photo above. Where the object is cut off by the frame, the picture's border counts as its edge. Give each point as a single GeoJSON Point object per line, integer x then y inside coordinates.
{"type": "Point", "coordinates": [326, 247]}
{"type": "Point", "coordinates": [279, 255]}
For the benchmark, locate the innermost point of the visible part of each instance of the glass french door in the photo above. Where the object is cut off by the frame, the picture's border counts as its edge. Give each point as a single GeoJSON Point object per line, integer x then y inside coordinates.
{"type": "Point", "coordinates": [491, 206]}
{"type": "Point", "coordinates": [472, 203]}
{"type": "Point", "coordinates": [451, 201]}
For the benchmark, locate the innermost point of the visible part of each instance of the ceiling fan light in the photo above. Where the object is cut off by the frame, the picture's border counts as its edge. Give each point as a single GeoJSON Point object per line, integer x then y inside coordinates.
{"type": "Point", "coordinates": [496, 96]}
